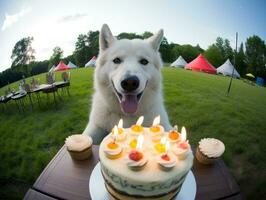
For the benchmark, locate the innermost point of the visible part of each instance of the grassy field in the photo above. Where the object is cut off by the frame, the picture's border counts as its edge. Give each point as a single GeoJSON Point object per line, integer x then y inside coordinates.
{"type": "Point", "coordinates": [196, 100]}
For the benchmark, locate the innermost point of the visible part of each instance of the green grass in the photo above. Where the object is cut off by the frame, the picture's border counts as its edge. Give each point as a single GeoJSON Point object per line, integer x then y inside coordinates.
{"type": "Point", "coordinates": [195, 100]}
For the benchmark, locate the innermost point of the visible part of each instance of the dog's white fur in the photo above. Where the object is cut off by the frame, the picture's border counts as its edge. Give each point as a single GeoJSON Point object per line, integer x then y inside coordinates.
{"type": "Point", "coordinates": [105, 110]}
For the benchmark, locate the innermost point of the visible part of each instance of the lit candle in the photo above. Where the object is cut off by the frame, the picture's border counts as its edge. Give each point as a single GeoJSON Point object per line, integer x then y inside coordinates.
{"type": "Point", "coordinates": [184, 142]}
{"type": "Point", "coordinates": [136, 159]}
{"type": "Point", "coordinates": [160, 147]}
{"type": "Point", "coordinates": [137, 128]}
{"type": "Point", "coordinates": [173, 135]}
{"type": "Point", "coordinates": [156, 130]}
{"type": "Point", "coordinates": [120, 136]}
{"type": "Point", "coordinates": [166, 161]}
{"type": "Point", "coordinates": [113, 149]}
{"type": "Point", "coordinates": [182, 149]}
{"type": "Point", "coordinates": [140, 142]}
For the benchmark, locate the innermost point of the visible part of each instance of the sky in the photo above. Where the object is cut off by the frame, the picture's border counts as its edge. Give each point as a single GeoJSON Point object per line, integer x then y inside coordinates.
{"type": "Point", "coordinates": [59, 22]}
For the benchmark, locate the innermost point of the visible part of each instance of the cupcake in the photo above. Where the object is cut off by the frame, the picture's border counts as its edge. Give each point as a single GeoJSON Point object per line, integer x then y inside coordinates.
{"type": "Point", "coordinates": [112, 150]}
{"type": "Point", "coordinates": [182, 150]}
{"type": "Point", "coordinates": [156, 132]}
{"type": "Point", "coordinates": [136, 160]}
{"type": "Point", "coordinates": [173, 136]}
{"type": "Point", "coordinates": [121, 135]}
{"type": "Point", "coordinates": [209, 150]}
{"type": "Point", "coordinates": [137, 128]}
{"type": "Point", "coordinates": [166, 161]}
{"type": "Point", "coordinates": [79, 146]}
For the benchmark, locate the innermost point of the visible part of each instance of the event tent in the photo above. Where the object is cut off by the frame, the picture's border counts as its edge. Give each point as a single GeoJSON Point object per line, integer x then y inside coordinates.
{"type": "Point", "coordinates": [71, 65]}
{"type": "Point", "coordinates": [179, 62]}
{"type": "Point", "coordinates": [61, 66]}
{"type": "Point", "coordinates": [52, 68]}
{"type": "Point", "coordinates": [92, 62]}
{"type": "Point", "coordinates": [201, 64]}
{"type": "Point", "coordinates": [227, 69]}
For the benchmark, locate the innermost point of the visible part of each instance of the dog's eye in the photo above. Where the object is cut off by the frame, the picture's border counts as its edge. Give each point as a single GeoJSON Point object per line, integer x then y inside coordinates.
{"type": "Point", "coordinates": [117, 60]}
{"type": "Point", "coordinates": [144, 61]}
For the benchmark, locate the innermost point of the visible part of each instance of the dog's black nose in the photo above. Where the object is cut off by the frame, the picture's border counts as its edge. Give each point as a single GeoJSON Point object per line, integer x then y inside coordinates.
{"type": "Point", "coordinates": [130, 84]}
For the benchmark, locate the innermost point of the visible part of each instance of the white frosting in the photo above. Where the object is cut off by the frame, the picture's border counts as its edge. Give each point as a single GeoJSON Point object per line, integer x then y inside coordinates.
{"type": "Point", "coordinates": [211, 147]}
{"type": "Point", "coordinates": [132, 163]}
{"type": "Point", "coordinates": [78, 142]}
{"type": "Point", "coordinates": [165, 163]}
{"type": "Point", "coordinates": [112, 151]}
{"type": "Point", "coordinates": [181, 152]}
{"type": "Point", "coordinates": [149, 181]}
{"type": "Point", "coordinates": [119, 137]}
{"type": "Point", "coordinates": [173, 141]}
{"type": "Point", "coordinates": [156, 134]}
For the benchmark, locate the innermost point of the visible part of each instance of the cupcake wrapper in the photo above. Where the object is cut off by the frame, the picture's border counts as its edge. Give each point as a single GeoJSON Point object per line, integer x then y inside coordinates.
{"type": "Point", "coordinates": [203, 158]}
{"type": "Point", "coordinates": [81, 155]}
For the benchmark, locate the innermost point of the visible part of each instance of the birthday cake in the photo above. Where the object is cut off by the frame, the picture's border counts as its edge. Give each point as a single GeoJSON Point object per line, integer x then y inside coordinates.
{"type": "Point", "coordinates": [144, 162]}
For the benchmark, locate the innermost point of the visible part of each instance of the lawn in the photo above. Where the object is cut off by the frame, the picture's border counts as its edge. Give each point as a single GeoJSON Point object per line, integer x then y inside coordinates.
{"type": "Point", "coordinates": [196, 100]}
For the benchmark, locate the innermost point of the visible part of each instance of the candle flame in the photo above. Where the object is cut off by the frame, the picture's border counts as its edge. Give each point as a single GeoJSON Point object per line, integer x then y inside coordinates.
{"type": "Point", "coordinates": [115, 131]}
{"type": "Point", "coordinates": [183, 134]}
{"type": "Point", "coordinates": [156, 121]}
{"type": "Point", "coordinates": [140, 120]}
{"type": "Point", "coordinates": [163, 140]}
{"type": "Point", "coordinates": [140, 142]}
{"type": "Point", "coordinates": [167, 146]}
{"type": "Point", "coordinates": [120, 123]}
{"type": "Point", "coordinates": [176, 128]}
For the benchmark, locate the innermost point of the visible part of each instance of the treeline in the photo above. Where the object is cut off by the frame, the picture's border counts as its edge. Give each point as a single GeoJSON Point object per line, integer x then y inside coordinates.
{"type": "Point", "coordinates": [250, 57]}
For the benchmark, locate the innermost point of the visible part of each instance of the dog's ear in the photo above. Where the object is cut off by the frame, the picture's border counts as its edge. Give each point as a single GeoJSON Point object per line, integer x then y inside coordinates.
{"type": "Point", "coordinates": [106, 37]}
{"type": "Point", "coordinates": [156, 40]}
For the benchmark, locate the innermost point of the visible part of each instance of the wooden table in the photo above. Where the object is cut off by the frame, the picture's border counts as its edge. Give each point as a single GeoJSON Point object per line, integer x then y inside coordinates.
{"type": "Point", "coordinates": [64, 178]}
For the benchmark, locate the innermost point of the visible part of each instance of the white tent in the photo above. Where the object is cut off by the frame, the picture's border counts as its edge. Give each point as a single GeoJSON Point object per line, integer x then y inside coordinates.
{"type": "Point", "coordinates": [71, 65]}
{"type": "Point", "coordinates": [92, 62]}
{"type": "Point", "coordinates": [52, 68]}
{"type": "Point", "coordinates": [227, 69]}
{"type": "Point", "coordinates": [180, 62]}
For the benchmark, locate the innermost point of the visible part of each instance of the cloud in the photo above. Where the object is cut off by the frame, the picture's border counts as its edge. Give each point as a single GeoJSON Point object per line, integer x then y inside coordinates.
{"type": "Point", "coordinates": [68, 18]}
{"type": "Point", "coordinates": [12, 19]}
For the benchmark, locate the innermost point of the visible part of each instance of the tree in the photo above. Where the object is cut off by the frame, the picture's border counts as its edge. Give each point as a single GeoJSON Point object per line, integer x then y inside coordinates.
{"type": "Point", "coordinates": [240, 64]}
{"type": "Point", "coordinates": [86, 46]}
{"type": "Point", "coordinates": [214, 55]}
{"type": "Point", "coordinates": [225, 49]}
{"type": "Point", "coordinates": [255, 54]}
{"type": "Point", "coordinates": [56, 56]}
{"type": "Point", "coordinates": [23, 53]}
{"type": "Point", "coordinates": [129, 36]}
{"type": "Point", "coordinates": [147, 34]}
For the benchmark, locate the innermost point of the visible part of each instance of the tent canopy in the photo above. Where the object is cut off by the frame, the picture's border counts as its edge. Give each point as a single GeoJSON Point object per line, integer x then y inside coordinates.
{"type": "Point", "coordinates": [227, 69]}
{"type": "Point", "coordinates": [71, 65]}
{"type": "Point", "coordinates": [61, 66]}
{"type": "Point", "coordinates": [179, 62]}
{"type": "Point", "coordinates": [92, 62]}
{"type": "Point", "coordinates": [201, 64]}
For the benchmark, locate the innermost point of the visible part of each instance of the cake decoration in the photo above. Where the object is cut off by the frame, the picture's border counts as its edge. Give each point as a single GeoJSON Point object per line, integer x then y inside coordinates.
{"type": "Point", "coordinates": [156, 130]}
{"type": "Point", "coordinates": [174, 135]}
{"type": "Point", "coordinates": [136, 158]}
{"type": "Point", "coordinates": [166, 160]}
{"type": "Point", "coordinates": [182, 149]}
{"type": "Point", "coordinates": [160, 147]}
{"type": "Point", "coordinates": [113, 149]}
{"type": "Point", "coordinates": [137, 128]}
{"type": "Point", "coordinates": [121, 135]}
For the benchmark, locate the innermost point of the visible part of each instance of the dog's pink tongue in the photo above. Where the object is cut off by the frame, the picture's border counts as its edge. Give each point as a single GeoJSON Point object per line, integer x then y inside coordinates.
{"type": "Point", "coordinates": [129, 103]}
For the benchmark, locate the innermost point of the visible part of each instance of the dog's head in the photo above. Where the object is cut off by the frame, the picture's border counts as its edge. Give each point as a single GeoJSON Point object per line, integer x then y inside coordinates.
{"type": "Point", "coordinates": [129, 67]}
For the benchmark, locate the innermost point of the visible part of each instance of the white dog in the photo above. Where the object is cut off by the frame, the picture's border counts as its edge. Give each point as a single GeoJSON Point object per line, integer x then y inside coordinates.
{"type": "Point", "coordinates": [127, 83]}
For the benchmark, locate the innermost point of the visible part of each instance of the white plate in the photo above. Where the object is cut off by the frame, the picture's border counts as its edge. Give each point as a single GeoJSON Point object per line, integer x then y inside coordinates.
{"type": "Point", "coordinates": [99, 192]}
